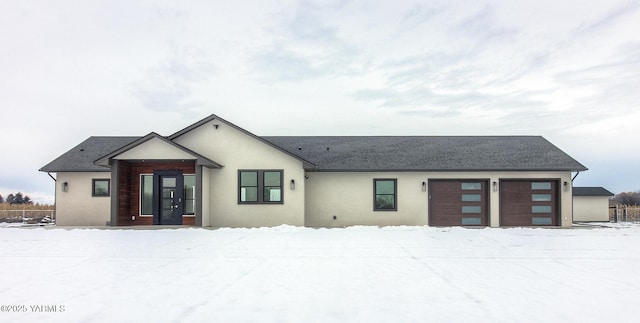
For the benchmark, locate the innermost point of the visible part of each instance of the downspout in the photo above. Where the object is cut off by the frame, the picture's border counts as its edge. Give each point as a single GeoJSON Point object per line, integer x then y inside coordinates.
{"type": "Point", "coordinates": [574, 177]}
{"type": "Point", "coordinates": [55, 197]}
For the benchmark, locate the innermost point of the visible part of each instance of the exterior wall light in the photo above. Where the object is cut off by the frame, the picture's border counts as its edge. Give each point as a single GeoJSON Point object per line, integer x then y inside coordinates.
{"type": "Point", "coordinates": [424, 186]}
{"type": "Point", "coordinates": [292, 184]}
{"type": "Point", "coordinates": [495, 186]}
{"type": "Point", "coordinates": [65, 187]}
{"type": "Point", "coordinates": [565, 185]}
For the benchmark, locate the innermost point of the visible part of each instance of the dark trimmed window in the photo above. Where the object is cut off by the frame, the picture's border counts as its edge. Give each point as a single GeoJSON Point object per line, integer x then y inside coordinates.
{"type": "Point", "coordinates": [100, 187]}
{"type": "Point", "coordinates": [260, 187]}
{"type": "Point", "coordinates": [385, 194]}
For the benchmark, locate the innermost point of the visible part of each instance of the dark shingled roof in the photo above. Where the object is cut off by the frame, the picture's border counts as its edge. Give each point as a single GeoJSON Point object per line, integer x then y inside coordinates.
{"type": "Point", "coordinates": [81, 157]}
{"type": "Point", "coordinates": [428, 153]}
{"type": "Point", "coordinates": [591, 191]}
{"type": "Point", "coordinates": [401, 153]}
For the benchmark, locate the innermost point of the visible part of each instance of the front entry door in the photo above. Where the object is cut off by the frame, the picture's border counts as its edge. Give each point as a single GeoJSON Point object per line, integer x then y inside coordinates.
{"type": "Point", "coordinates": [169, 196]}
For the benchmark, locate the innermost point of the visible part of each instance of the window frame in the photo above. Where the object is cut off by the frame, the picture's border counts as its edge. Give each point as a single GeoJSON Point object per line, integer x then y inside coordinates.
{"type": "Point", "coordinates": [93, 187]}
{"type": "Point", "coordinates": [395, 194]}
{"type": "Point", "coordinates": [260, 186]}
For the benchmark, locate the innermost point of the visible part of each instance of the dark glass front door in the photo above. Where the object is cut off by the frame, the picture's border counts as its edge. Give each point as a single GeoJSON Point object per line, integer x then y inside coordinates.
{"type": "Point", "coordinates": [169, 205]}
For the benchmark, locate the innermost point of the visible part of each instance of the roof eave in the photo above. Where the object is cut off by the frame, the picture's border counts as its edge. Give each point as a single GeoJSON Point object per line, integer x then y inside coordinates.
{"type": "Point", "coordinates": [435, 170]}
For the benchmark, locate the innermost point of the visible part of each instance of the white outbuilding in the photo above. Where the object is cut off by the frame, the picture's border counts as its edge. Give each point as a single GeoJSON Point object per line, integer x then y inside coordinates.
{"type": "Point", "coordinates": [591, 204]}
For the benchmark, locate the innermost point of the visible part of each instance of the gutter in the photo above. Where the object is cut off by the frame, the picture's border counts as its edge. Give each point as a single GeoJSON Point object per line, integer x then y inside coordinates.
{"type": "Point", "coordinates": [53, 178]}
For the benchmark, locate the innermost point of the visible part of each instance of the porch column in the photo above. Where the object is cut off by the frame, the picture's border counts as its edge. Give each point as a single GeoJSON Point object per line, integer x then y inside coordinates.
{"type": "Point", "coordinates": [115, 192]}
{"type": "Point", "coordinates": [198, 210]}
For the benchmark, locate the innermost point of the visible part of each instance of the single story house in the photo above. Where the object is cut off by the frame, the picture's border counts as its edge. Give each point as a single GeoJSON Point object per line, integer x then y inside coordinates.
{"type": "Point", "coordinates": [591, 204]}
{"type": "Point", "coordinates": [216, 174]}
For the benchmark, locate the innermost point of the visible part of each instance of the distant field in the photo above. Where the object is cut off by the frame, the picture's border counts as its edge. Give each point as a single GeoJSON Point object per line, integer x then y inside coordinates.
{"type": "Point", "coordinates": [36, 206]}
{"type": "Point", "coordinates": [29, 213]}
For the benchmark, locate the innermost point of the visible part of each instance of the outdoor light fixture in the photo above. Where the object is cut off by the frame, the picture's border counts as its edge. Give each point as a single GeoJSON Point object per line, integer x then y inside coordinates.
{"type": "Point", "coordinates": [424, 186]}
{"type": "Point", "coordinates": [216, 126]}
{"type": "Point", "coordinates": [495, 186]}
{"type": "Point", "coordinates": [65, 187]}
{"type": "Point", "coordinates": [292, 185]}
{"type": "Point", "coordinates": [566, 186]}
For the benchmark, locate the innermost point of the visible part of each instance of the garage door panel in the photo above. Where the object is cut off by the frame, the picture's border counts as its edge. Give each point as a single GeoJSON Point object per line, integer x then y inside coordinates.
{"type": "Point", "coordinates": [457, 202]}
{"type": "Point", "coordinates": [528, 202]}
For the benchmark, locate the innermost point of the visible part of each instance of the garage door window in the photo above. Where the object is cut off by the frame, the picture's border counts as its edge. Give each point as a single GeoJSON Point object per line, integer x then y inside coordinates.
{"type": "Point", "coordinates": [540, 185]}
{"type": "Point", "coordinates": [471, 197]}
{"type": "Point", "coordinates": [540, 197]}
{"type": "Point", "coordinates": [471, 209]}
{"type": "Point", "coordinates": [541, 209]}
{"type": "Point", "coordinates": [385, 192]}
{"type": "Point", "coordinates": [471, 186]}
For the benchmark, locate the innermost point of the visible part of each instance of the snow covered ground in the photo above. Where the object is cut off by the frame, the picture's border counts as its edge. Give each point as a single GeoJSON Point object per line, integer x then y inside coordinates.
{"type": "Point", "coordinates": [289, 274]}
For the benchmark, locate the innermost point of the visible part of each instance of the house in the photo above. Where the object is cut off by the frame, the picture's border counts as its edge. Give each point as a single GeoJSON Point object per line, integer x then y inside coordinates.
{"type": "Point", "coordinates": [216, 174]}
{"type": "Point", "coordinates": [591, 204]}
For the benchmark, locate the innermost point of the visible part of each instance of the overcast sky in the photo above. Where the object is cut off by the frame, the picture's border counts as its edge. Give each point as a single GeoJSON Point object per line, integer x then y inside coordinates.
{"type": "Point", "coordinates": [566, 70]}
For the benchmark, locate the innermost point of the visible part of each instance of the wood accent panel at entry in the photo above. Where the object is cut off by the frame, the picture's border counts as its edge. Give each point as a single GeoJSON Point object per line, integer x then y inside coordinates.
{"type": "Point", "coordinates": [129, 190]}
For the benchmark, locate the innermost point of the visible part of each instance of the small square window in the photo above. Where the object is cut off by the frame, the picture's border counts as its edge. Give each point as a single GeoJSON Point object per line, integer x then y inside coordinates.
{"type": "Point", "coordinates": [101, 187]}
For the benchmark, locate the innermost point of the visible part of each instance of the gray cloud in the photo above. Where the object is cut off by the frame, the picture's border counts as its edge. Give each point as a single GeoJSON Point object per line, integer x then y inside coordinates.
{"type": "Point", "coordinates": [168, 85]}
{"type": "Point", "coordinates": [306, 46]}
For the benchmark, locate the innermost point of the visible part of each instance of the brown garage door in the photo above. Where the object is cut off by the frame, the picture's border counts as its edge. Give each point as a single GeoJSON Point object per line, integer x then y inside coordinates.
{"type": "Point", "coordinates": [527, 203]}
{"type": "Point", "coordinates": [457, 202]}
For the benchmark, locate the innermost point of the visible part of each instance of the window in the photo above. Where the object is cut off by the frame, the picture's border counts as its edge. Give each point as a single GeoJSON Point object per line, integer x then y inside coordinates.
{"type": "Point", "coordinates": [146, 195]}
{"type": "Point", "coordinates": [471, 186]}
{"type": "Point", "coordinates": [385, 193]}
{"type": "Point", "coordinates": [471, 209]}
{"type": "Point", "coordinates": [540, 185]}
{"type": "Point", "coordinates": [100, 187]}
{"type": "Point", "coordinates": [540, 209]}
{"type": "Point", "coordinates": [540, 197]}
{"type": "Point", "coordinates": [189, 194]}
{"type": "Point", "coordinates": [260, 187]}
{"type": "Point", "coordinates": [471, 197]}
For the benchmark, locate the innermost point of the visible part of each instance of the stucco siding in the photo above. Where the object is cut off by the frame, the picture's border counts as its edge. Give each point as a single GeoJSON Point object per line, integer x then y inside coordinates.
{"type": "Point", "coordinates": [154, 149]}
{"type": "Point", "coordinates": [591, 208]}
{"type": "Point", "coordinates": [237, 150]}
{"type": "Point", "coordinates": [349, 196]}
{"type": "Point", "coordinates": [77, 206]}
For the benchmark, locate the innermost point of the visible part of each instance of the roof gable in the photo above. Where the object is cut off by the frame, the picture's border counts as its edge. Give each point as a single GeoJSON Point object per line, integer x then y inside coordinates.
{"type": "Point", "coordinates": [306, 163]}
{"type": "Point", "coordinates": [171, 150]}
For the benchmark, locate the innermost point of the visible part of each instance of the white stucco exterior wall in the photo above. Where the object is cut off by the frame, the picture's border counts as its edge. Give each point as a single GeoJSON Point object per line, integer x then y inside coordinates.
{"type": "Point", "coordinates": [349, 197]}
{"type": "Point", "coordinates": [237, 150]}
{"type": "Point", "coordinates": [154, 148]}
{"type": "Point", "coordinates": [591, 208]}
{"type": "Point", "coordinates": [77, 206]}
